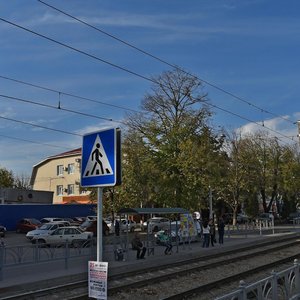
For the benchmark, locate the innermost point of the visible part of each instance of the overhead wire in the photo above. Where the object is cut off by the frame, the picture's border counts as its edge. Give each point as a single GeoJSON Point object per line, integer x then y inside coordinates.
{"type": "Point", "coordinates": [77, 50]}
{"type": "Point", "coordinates": [40, 126]}
{"type": "Point", "coordinates": [119, 67]}
{"type": "Point", "coordinates": [33, 142]}
{"type": "Point", "coordinates": [58, 108]}
{"type": "Point", "coordinates": [66, 94]}
{"type": "Point", "coordinates": [163, 61]}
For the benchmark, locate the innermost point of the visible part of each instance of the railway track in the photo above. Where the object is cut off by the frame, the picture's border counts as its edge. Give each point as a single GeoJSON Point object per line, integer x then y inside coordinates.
{"type": "Point", "coordinates": [124, 286]}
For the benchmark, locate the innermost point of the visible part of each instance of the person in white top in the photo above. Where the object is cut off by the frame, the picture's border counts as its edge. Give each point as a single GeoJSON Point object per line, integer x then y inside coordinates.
{"type": "Point", "coordinates": [206, 234]}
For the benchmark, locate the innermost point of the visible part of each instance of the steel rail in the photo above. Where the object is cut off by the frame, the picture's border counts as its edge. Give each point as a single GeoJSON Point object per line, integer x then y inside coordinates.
{"type": "Point", "coordinates": [128, 283]}
{"type": "Point", "coordinates": [206, 287]}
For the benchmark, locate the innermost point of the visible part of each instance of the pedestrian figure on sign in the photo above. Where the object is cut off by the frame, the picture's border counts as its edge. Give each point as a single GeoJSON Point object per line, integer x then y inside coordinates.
{"type": "Point", "coordinates": [96, 156]}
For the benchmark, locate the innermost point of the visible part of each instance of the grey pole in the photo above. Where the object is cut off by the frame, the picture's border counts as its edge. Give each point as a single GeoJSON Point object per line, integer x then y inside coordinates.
{"type": "Point", "coordinates": [210, 204]}
{"type": "Point", "coordinates": [99, 225]}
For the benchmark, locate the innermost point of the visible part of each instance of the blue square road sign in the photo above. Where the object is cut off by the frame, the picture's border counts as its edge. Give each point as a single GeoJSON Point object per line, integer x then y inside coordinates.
{"type": "Point", "coordinates": [101, 158]}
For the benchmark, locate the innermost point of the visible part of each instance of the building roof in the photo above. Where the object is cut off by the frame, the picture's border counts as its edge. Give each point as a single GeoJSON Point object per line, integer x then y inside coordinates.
{"type": "Point", "coordinates": [73, 152]}
{"type": "Point", "coordinates": [68, 153]}
{"type": "Point", "coordinates": [148, 210]}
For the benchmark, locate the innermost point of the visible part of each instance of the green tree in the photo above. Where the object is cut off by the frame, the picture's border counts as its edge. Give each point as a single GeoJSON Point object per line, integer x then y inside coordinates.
{"type": "Point", "coordinates": [6, 178]}
{"type": "Point", "coordinates": [170, 154]}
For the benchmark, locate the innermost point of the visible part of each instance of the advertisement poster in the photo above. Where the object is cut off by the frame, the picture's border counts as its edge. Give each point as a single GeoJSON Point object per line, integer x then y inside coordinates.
{"type": "Point", "coordinates": [98, 280]}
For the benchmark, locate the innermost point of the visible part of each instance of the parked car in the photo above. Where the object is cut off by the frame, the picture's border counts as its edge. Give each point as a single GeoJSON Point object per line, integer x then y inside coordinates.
{"type": "Point", "coordinates": [156, 223]}
{"type": "Point", "coordinates": [71, 222]}
{"type": "Point", "coordinates": [71, 234]}
{"type": "Point", "coordinates": [242, 218]}
{"type": "Point", "coordinates": [2, 231]}
{"type": "Point", "coordinates": [293, 216]}
{"type": "Point", "coordinates": [91, 226]}
{"type": "Point", "coordinates": [45, 229]}
{"type": "Point", "coordinates": [49, 220]}
{"type": "Point", "coordinates": [127, 225]}
{"type": "Point", "coordinates": [91, 218]}
{"type": "Point", "coordinates": [27, 224]}
{"type": "Point", "coordinates": [79, 220]}
{"type": "Point", "coordinates": [265, 217]}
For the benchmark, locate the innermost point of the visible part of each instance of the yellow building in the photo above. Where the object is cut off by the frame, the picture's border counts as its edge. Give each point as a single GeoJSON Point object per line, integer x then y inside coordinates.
{"type": "Point", "coordinates": [60, 174]}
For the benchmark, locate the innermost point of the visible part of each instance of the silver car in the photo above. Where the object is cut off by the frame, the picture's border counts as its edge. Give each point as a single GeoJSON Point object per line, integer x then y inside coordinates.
{"type": "Point", "coordinates": [156, 224]}
{"type": "Point", "coordinates": [45, 229]}
{"type": "Point", "coordinates": [72, 235]}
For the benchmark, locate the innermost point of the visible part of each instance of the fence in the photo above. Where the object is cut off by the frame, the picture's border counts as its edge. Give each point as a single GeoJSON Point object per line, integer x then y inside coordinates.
{"type": "Point", "coordinates": [250, 227]}
{"type": "Point", "coordinates": [36, 254]}
{"type": "Point", "coordinates": [280, 285]}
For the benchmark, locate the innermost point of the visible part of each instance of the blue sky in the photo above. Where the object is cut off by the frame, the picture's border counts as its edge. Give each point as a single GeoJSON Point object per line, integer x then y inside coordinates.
{"type": "Point", "coordinates": [248, 48]}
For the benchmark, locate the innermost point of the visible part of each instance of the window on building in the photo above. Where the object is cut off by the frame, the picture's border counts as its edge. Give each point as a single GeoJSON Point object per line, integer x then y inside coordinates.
{"type": "Point", "coordinates": [59, 190]}
{"type": "Point", "coordinates": [60, 170]}
{"type": "Point", "coordinates": [70, 189]}
{"type": "Point", "coordinates": [71, 168]}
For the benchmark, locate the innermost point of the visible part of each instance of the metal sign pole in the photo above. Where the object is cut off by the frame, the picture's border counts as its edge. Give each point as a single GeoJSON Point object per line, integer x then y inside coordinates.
{"type": "Point", "coordinates": [99, 226]}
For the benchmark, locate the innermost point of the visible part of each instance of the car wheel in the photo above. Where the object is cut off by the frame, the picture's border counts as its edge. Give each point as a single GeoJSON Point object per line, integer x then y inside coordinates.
{"type": "Point", "coordinates": [41, 241]}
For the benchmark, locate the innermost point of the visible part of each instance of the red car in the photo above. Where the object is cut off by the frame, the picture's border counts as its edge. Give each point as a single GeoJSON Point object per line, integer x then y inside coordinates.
{"type": "Point", "coordinates": [92, 227]}
{"type": "Point", "coordinates": [26, 225]}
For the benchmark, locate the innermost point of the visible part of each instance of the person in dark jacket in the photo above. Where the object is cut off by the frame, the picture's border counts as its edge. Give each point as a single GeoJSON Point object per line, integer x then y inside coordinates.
{"type": "Point", "coordinates": [117, 228]}
{"type": "Point", "coordinates": [221, 229]}
{"type": "Point", "coordinates": [212, 232]}
{"type": "Point", "coordinates": [137, 245]}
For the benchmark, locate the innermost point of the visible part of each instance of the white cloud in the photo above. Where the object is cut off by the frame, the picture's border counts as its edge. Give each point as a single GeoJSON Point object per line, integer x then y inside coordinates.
{"type": "Point", "coordinates": [276, 127]}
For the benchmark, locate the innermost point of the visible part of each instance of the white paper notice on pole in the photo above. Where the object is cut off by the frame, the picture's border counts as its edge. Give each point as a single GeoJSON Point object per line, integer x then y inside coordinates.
{"type": "Point", "coordinates": [98, 279]}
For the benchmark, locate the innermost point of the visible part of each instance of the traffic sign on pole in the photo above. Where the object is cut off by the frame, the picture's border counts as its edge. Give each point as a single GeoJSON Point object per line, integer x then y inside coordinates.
{"type": "Point", "coordinates": [101, 158]}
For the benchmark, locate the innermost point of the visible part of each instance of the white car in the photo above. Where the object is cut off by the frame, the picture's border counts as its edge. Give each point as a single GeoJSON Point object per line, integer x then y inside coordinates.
{"type": "Point", "coordinates": [156, 224]}
{"type": "Point", "coordinates": [127, 226]}
{"type": "Point", "coordinates": [45, 229]}
{"type": "Point", "coordinates": [50, 220]}
{"type": "Point", "coordinates": [71, 234]}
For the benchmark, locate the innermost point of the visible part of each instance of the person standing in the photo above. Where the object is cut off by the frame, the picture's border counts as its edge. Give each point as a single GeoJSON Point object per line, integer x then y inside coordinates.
{"type": "Point", "coordinates": [206, 234]}
{"type": "Point", "coordinates": [117, 227]}
{"type": "Point", "coordinates": [212, 232]}
{"type": "Point", "coordinates": [221, 229]}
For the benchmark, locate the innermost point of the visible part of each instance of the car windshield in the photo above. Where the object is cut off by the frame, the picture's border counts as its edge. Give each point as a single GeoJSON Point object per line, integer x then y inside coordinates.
{"type": "Point", "coordinates": [35, 222]}
{"type": "Point", "coordinates": [86, 223]}
{"type": "Point", "coordinates": [46, 226]}
{"type": "Point", "coordinates": [154, 220]}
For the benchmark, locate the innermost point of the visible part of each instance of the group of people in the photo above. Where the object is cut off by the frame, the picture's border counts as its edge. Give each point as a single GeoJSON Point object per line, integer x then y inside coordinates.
{"type": "Point", "coordinates": [209, 232]}
{"type": "Point", "coordinates": [137, 244]}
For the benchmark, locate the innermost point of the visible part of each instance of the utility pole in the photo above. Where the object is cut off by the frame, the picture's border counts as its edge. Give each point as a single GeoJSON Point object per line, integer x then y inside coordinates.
{"type": "Point", "coordinates": [210, 204]}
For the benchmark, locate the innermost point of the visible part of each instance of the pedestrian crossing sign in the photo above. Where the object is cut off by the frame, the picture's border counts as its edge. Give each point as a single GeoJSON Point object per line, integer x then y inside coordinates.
{"type": "Point", "coordinates": [101, 159]}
